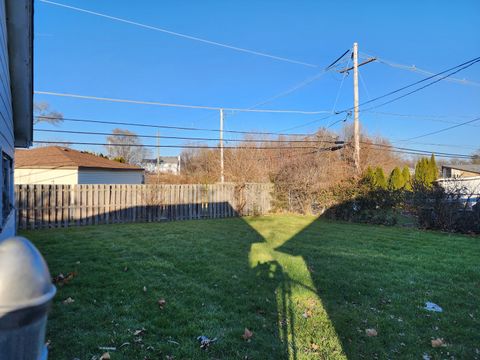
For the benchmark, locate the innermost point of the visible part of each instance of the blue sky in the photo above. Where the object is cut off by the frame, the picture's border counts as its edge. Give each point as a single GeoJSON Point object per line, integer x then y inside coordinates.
{"type": "Point", "coordinates": [85, 54]}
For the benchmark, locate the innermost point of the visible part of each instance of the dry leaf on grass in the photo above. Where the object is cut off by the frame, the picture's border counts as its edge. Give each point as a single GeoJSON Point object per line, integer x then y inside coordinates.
{"type": "Point", "coordinates": [61, 279]}
{"type": "Point", "coordinates": [438, 342]}
{"type": "Point", "coordinates": [162, 303]}
{"type": "Point", "coordinates": [139, 332]}
{"type": "Point", "coordinates": [314, 347]}
{"type": "Point", "coordinates": [247, 335]}
{"type": "Point", "coordinates": [371, 332]}
{"type": "Point", "coordinates": [105, 356]}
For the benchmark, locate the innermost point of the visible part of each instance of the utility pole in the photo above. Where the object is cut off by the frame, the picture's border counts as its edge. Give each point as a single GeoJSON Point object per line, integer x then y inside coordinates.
{"type": "Point", "coordinates": [222, 176]}
{"type": "Point", "coordinates": [158, 151]}
{"type": "Point", "coordinates": [356, 125]}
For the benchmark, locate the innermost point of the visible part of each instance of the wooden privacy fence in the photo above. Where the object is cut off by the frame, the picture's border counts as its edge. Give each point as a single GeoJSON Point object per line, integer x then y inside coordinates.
{"type": "Point", "coordinates": [44, 206]}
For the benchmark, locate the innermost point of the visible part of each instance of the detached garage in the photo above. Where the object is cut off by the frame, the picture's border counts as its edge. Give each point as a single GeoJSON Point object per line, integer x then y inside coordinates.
{"type": "Point", "coordinates": [60, 165]}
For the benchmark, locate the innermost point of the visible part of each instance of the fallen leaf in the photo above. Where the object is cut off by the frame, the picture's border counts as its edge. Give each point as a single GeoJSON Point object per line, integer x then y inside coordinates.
{"type": "Point", "coordinates": [105, 356]}
{"type": "Point", "coordinates": [162, 303]}
{"type": "Point", "coordinates": [247, 335]}
{"type": "Point", "coordinates": [139, 332]}
{"type": "Point", "coordinates": [438, 343]}
{"type": "Point", "coordinates": [371, 332]}
{"type": "Point", "coordinates": [61, 279]}
{"type": "Point", "coordinates": [314, 346]}
{"type": "Point", "coordinates": [68, 300]}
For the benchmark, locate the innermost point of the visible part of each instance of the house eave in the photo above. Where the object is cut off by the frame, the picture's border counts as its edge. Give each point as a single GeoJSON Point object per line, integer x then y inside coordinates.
{"type": "Point", "coordinates": [108, 169]}
{"type": "Point", "coordinates": [20, 49]}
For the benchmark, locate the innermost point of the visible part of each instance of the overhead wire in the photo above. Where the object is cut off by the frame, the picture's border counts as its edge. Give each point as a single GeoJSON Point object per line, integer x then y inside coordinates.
{"type": "Point", "coordinates": [442, 130]}
{"type": "Point", "coordinates": [415, 69]}
{"type": "Point", "coordinates": [171, 146]}
{"type": "Point", "coordinates": [423, 87]}
{"type": "Point", "coordinates": [418, 151]}
{"type": "Point", "coordinates": [133, 135]}
{"type": "Point", "coordinates": [184, 106]}
{"type": "Point", "coordinates": [449, 72]}
{"type": "Point", "coordinates": [380, 147]}
{"type": "Point", "coordinates": [181, 35]}
{"type": "Point", "coordinates": [434, 118]}
{"type": "Point", "coordinates": [303, 83]}
{"type": "Point", "coordinates": [328, 116]}
{"type": "Point", "coordinates": [185, 128]}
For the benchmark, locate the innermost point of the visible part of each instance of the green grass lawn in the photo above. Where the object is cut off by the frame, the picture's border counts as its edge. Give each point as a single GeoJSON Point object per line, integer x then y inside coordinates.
{"type": "Point", "coordinates": [307, 288]}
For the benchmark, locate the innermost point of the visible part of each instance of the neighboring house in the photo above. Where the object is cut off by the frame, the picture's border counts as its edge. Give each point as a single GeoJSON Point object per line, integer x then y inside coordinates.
{"type": "Point", "coordinates": [166, 164]}
{"type": "Point", "coordinates": [463, 180]}
{"type": "Point", "coordinates": [460, 171]}
{"type": "Point", "coordinates": [16, 97]}
{"type": "Point", "coordinates": [60, 165]}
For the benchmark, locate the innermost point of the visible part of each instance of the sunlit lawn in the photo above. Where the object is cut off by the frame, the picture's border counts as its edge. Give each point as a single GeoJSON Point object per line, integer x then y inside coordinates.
{"type": "Point", "coordinates": [306, 288]}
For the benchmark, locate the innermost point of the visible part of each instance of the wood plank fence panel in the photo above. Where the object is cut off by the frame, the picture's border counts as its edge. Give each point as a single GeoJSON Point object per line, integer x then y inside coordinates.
{"type": "Point", "coordinates": [45, 206]}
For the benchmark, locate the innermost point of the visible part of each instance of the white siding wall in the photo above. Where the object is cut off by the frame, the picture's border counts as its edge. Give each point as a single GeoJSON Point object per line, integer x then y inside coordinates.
{"type": "Point", "coordinates": [7, 221]}
{"type": "Point", "coordinates": [46, 176]}
{"type": "Point", "coordinates": [6, 119]}
{"type": "Point", "coordinates": [110, 177]}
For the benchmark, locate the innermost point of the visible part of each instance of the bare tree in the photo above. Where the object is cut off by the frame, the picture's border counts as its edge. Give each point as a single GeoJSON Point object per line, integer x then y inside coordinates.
{"type": "Point", "coordinates": [476, 157]}
{"type": "Point", "coordinates": [43, 113]}
{"type": "Point", "coordinates": [125, 144]}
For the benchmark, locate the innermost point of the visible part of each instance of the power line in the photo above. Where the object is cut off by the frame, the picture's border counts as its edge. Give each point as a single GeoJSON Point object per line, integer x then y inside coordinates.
{"type": "Point", "coordinates": [184, 106]}
{"type": "Point", "coordinates": [168, 126]}
{"type": "Point", "coordinates": [173, 146]}
{"type": "Point", "coordinates": [436, 118]}
{"type": "Point", "coordinates": [417, 151]}
{"type": "Point", "coordinates": [422, 153]}
{"type": "Point", "coordinates": [442, 130]}
{"type": "Point", "coordinates": [344, 75]}
{"type": "Point", "coordinates": [313, 148]}
{"type": "Point", "coordinates": [185, 137]}
{"type": "Point", "coordinates": [181, 35]}
{"type": "Point", "coordinates": [423, 87]}
{"type": "Point", "coordinates": [457, 69]}
{"type": "Point", "coordinates": [415, 69]}
{"type": "Point", "coordinates": [306, 81]}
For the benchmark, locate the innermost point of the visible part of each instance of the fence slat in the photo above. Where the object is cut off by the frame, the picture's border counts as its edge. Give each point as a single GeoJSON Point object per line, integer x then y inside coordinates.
{"type": "Point", "coordinates": [45, 206]}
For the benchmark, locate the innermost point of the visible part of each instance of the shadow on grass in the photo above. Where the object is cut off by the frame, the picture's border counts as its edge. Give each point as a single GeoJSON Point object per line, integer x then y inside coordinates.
{"type": "Point", "coordinates": [307, 288]}
{"type": "Point", "coordinates": [380, 277]}
{"type": "Point", "coordinates": [202, 270]}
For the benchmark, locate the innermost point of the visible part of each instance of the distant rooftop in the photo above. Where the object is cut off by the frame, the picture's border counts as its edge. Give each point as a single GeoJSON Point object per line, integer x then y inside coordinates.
{"type": "Point", "coordinates": [163, 159]}
{"type": "Point", "coordinates": [469, 167]}
{"type": "Point", "coordinates": [54, 157]}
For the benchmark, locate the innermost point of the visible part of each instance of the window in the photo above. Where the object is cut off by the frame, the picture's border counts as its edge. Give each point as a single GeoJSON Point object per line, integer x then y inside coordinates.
{"type": "Point", "coordinates": [7, 189]}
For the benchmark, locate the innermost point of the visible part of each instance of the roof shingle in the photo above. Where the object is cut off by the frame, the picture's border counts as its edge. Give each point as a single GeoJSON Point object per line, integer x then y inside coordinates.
{"type": "Point", "coordinates": [50, 157]}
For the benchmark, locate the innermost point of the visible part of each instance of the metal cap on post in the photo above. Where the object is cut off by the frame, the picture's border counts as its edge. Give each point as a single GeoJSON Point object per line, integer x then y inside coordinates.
{"type": "Point", "coordinates": [26, 291]}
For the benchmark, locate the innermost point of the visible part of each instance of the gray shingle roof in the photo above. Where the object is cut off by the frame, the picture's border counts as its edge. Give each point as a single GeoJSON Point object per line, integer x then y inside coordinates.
{"type": "Point", "coordinates": [468, 167]}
